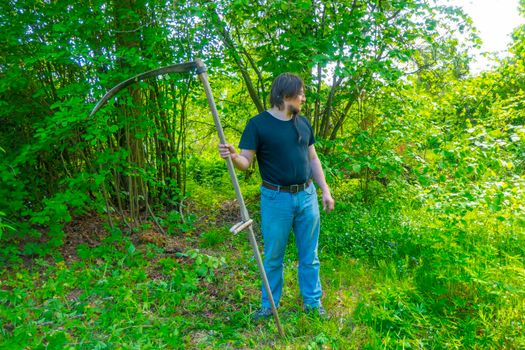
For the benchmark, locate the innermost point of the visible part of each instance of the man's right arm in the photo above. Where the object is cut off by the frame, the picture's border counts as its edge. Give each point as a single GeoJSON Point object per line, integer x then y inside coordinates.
{"type": "Point", "coordinates": [241, 160]}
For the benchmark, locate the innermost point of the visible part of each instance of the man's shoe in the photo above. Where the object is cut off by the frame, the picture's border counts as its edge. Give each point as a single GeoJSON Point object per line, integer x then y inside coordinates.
{"type": "Point", "coordinates": [262, 313]}
{"type": "Point", "coordinates": [317, 311]}
{"type": "Point", "coordinates": [322, 312]}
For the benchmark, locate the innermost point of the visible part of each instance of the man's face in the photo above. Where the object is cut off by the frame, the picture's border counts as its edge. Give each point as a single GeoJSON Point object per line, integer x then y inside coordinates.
{"type": "Point", "coordinates": [293, 104]}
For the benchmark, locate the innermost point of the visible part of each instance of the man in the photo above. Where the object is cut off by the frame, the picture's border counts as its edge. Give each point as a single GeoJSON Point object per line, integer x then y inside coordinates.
{"type": "Point", "coordinates": [284, 144]}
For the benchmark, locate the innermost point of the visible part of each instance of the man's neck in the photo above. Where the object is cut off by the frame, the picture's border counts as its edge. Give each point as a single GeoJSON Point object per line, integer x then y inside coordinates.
{"type": "Point", "coordinates": [281, 114]}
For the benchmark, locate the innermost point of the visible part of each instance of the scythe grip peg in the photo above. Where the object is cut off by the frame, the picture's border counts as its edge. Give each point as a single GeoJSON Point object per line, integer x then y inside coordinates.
{"type": "Point", "coordinates": [238, 227]}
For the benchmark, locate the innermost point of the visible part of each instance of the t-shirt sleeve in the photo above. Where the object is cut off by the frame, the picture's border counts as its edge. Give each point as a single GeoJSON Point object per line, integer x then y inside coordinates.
{"type": "Point", "coordinates": [249, 138]}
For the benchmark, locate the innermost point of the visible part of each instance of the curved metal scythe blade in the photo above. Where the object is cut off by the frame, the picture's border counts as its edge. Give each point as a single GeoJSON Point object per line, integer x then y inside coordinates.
{"type": "Point", "coordinates": [174, 68]}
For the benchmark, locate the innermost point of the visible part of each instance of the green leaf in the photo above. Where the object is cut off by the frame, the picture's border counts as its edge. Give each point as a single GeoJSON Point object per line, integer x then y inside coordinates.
{"type": "Point", "coordinates": [131, 249]}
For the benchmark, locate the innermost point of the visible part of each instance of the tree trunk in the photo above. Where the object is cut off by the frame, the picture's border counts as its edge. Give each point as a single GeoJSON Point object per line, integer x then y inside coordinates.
{"type": "Point", "coordinates": [127, 24]}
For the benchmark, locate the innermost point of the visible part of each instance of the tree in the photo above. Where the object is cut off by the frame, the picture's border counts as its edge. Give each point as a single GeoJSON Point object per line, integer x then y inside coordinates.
{"type": "Point", "coordinates": [343, 49]}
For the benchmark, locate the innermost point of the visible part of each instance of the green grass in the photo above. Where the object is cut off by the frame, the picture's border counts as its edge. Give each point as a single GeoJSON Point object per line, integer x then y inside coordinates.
{"type": "Point", "coordinates": [395, 275]}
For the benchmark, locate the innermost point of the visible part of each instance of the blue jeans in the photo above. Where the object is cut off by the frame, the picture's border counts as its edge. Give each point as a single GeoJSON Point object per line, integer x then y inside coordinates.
{"type": "Point", "coordinates": [280, 212]}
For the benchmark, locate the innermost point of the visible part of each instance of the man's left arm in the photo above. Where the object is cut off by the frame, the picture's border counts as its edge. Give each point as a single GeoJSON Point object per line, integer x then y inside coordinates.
{"type": "Point", "coordinates": [318, 175]}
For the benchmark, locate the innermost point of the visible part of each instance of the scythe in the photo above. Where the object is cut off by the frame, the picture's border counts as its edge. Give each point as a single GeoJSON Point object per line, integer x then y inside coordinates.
{"type": "Point", "coordinates": [246, 223]}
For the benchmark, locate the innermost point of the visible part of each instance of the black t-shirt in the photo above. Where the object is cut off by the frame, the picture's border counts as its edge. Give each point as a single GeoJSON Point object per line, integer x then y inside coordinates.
{"type": "Point", "coordinates": [283, 160]}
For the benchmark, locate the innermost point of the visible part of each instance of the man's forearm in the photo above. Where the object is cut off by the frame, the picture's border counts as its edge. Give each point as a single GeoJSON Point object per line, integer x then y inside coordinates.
{"type": "Point", "coordinates": [318, 175]}
{"type": "Point", "coordinates": [240, 162]}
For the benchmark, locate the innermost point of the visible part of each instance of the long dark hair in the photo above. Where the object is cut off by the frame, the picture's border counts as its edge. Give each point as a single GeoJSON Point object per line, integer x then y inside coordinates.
{"type": "Point", "coordinates": [284, 86]}
{"type": "Point", "coordinates": [287, 85]}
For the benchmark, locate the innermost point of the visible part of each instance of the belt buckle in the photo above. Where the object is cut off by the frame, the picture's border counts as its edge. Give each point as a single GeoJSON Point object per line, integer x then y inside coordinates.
{"type": "Point", "coordinates": [294, 188]}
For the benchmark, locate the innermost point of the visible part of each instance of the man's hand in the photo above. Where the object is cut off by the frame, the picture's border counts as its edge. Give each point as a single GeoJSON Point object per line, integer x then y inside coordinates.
{"type": "Point", "coordinates": [225, 150]}
{"type": "Point", "coordinates": [328, 202]}
{"type": "Point", "coordinates": [241, 160]}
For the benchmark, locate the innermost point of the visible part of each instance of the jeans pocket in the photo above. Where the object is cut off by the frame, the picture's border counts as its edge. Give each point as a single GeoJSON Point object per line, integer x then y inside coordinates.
{"type": "Point", "coordinates": [267, 193]}
{"type": "Point", "coordinates": [310, 190]}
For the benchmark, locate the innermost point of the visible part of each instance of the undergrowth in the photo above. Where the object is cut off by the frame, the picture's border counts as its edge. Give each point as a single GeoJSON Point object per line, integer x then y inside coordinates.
{"type": "Point", "coordinates": [396, 273]}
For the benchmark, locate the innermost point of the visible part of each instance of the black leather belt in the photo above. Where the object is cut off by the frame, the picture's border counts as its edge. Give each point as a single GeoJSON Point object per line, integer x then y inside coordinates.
{"type": "Point", "coordinates": [291, 188]}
